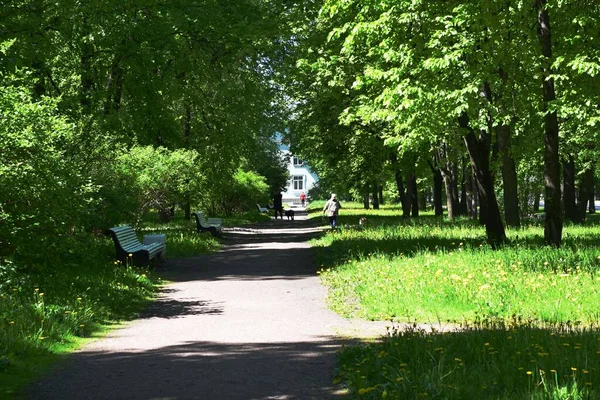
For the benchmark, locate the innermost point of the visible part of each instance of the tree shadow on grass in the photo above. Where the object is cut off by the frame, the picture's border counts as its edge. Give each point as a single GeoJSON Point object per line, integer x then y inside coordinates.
{"type": "Point", "coordinates": [200, 370]}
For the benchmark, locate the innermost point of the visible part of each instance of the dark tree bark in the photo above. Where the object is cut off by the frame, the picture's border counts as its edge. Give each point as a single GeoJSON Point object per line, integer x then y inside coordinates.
{"type": "Point", "coordinates": [455, 192]}
{"type": "Point", "coordinates": [410, 195]}
{"type": "Point", "coordinates": [438, 181]}
{"type": "Point", "coordinates": [475, 197]}
{"type": "Point", "coordinates": [422, 200]}
{"type": "Point", "coordinates": [448, 172]}
{"type": "Point", "coordinates": [479, 151]}
{"type": "Point", "coordinates": [415, 196]}
{"type": "Point", "coordinates": [536, 201]}
{"type": "Point", "coordinates": [582, 197]}
{"type": "Point", "coordinates": [569, 190]}
{"type": "Point", "coordinates": [509, 178]}
{"type": "Point", "coordinates": [399, 183]}
{"type": "Point", "coordinates": [471, 194]}
{"type": "Point", "coordinates": [464, 209]}
{"type": "Point", "coordinates": [366, 201]}
{"type": "Point", "coordinates": [589, 185]}
{"type": "Point", "coordinates": [380, 192]}
{"type": "Point", "coordinates": [554, 223]}
{"type": "Point", "coordinates": [375, 197]}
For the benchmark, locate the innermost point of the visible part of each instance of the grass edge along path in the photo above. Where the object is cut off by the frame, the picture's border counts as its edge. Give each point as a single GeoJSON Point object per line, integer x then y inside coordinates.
{"type": "Point", "coordinates": [48, 312]}
{"type": "Point", "coordinates": [527, 314]}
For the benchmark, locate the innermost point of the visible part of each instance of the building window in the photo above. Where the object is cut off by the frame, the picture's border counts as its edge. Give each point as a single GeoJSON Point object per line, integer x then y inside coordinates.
{"type": "Point", "coordinates": [298, 182]}
{"type": "Point", "coordinates": [297, 162]}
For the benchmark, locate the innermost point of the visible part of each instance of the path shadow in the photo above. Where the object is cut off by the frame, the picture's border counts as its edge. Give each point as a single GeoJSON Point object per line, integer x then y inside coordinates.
{"type": "Point", "coordinates": [170, 308]}
{"type": "Point", "coordinates": [269, 250]}
{"type": "Point", "coordinates": [291, 370]}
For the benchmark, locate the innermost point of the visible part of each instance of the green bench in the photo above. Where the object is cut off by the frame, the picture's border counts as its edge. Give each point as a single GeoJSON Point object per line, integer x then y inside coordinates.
{"type": "Point", "coordinates": [212, 225]}
{"type": "Point", "coordinates": [127, 242]}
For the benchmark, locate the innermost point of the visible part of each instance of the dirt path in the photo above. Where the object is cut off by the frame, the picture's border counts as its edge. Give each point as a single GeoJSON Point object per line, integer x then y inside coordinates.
{"type": "Point", "coordinates": [248, 322]}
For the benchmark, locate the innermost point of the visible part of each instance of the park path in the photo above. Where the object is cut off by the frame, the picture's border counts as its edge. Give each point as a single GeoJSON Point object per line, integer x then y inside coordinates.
{"type": "Point", "coordinates": [247, 322]}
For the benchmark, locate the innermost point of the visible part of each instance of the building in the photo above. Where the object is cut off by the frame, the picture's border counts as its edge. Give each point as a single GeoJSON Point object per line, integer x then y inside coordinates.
{"type": "Point", "coordinates": [302, 179]}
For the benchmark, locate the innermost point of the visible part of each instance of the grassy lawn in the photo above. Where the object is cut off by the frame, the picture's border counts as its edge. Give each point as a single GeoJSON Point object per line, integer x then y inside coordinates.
{"type": "Point", "coordinates": [46, 312]}
{"type": "Point", "coordinates": [526, 315]}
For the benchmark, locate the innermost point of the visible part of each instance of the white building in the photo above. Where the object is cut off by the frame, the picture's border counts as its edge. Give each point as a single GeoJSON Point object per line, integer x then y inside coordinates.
{"type": "Point", "coordinates": [301, 177]}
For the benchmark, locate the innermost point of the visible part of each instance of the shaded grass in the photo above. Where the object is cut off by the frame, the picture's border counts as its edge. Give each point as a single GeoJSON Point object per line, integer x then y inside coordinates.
{"type": "Point", "coordinates": [47, 310]}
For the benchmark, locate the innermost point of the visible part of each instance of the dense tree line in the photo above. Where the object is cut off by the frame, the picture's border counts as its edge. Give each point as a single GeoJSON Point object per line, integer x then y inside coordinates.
{"type": "Point", "coordinates": [110, 109]}
{"type": "Point", "coordinates": [496, 102]}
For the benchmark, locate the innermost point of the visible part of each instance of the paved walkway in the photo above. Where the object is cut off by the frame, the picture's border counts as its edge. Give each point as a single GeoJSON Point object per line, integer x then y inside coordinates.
{"type": "Point", "coordinates": [248, 322]}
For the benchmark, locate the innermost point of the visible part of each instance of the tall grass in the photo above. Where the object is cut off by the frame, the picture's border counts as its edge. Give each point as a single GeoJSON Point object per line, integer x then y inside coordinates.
{"type": "Point", "coordinates": [517, 299]}
{"type": "Point", "coordinates": [46, 309]}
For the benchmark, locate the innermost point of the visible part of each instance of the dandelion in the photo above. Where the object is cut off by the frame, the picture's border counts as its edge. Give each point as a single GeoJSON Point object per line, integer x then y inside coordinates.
{"type": "Point", "coordinates": [529, 372]}
{"type": "Point", "coordinates": [11, 322]}
{"type": "Point", "coordinates": [573, 369]}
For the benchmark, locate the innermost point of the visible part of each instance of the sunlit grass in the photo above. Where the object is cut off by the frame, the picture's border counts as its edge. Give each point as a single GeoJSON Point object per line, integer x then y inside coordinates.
{"type": "Point", "coordinates": [513, 360]}
{"type": "Point", "coordinates": [536, 307]}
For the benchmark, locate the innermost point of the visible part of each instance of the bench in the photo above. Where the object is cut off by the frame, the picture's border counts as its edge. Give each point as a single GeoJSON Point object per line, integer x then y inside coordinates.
{"type": "Point", "coordinates": [127, 242]}
{"type": "Point", "coordinates": [212, 225]}
{"type": "Point", "coordinates": [262, 209]}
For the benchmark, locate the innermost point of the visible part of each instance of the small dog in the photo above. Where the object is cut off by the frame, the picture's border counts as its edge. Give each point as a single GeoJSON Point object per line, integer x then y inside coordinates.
{"type": "Point", "coordinates": [289, 214]}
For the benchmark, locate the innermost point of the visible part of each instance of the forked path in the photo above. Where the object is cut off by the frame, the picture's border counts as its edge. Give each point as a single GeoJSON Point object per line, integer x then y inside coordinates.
{"type": "Point", "coordinates": [248, 322]}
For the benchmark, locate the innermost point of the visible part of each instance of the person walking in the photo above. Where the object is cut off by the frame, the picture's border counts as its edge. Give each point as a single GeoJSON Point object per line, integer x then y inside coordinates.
{"type": "Point", "coordinates": [303, 198]}
{"type": "Point", "coordinates": [278, 205]}
{"type": "Point", "coordinates": [332, 208]}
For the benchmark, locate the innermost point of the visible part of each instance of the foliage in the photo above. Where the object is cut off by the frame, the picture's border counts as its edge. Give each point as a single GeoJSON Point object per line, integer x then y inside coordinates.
{"type": "Point", "coordinates": [160, 178]}
{"type": "Point", "coordinates": [242, 194]}
{"type": "Point", "coordinates": [39, 175]}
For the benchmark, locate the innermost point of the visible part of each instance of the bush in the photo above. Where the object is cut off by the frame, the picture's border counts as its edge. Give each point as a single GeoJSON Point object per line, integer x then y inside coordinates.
{"type": "Point", "coordinates": [159, 178]}
{"type": "Point", "coordinates": [44, 194]}
{"type": "Point", "coordinates": [246, 189]}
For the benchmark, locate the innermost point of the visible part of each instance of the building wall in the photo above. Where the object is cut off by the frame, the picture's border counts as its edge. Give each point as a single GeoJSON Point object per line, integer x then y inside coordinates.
{"type": "Point", "coordinates": [302, 179]}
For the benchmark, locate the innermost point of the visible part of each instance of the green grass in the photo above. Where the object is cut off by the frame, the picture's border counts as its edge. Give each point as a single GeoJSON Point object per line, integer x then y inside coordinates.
{"type": "Point", "coordinates": [431, 270]}
{"type": "Point", "coordinates": [46, 311]}
{"type": "Point", "coordinates": [484, 361]}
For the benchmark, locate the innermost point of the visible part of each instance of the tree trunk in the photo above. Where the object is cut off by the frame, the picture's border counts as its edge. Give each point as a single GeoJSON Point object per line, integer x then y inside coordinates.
{"type": "Point", "coordinates": [553, 224]}
{"type": "Point", "coordinates": [464, 208]}
{"type": "Point", "coordinates": [479, 151]}
{"type": "Point", "coordinates": [569, 189]}
{"type": "Point", "coordinates": [380, 192]}
{"type": "Point", "coordinates": [589, 184]}
{"type": "Point", "coordinates": [438, 181]}
{"type": "Point", "coordinates": [536, 201]}
{"type": "Point", "coordinates": [475, 199]}
{"type": "Point", "coordinates": [583, 196]}
{"type": "Point", "coordinates": [422, 200]}
{"type": "Point", "coordinates": [366, 201]}
{"type": "Point", "coordinates": [471, 191]}
{"type": "Point", "coordinates": [375, 197]}
{"type": "Point", "coordinates": [509, 178]}
{"type": "Point", "coordinates": [410, 194]}
{"type": "Point", "coordinates": [415, 197]}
